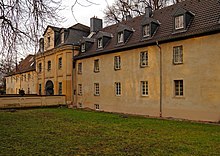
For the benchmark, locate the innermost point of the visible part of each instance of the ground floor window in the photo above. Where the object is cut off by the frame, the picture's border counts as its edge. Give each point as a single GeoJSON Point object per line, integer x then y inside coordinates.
{"type": "Point", "coordinates": [178, 87]}
{"type": "Point", "coordinates": [117, 88]}
{"type": "Point", "coordinates": [60, 88]}
{"type": "Point", "coordinates": [144, 88]}
{"type": "Point", "coordinates": [79, 89]}
{"type": "Point", "coordinates": [40, 89]}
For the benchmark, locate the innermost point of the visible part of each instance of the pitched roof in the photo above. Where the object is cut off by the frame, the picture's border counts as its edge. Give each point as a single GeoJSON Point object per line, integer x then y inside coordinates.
{"type": "Point", "coordinates": [28, 64]}
{"type": "Point", "coordinates": [206, 20]}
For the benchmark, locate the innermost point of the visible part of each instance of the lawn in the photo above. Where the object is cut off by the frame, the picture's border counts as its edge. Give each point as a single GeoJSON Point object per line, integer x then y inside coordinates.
{"type": "Point", "coordinates": [62, 131]}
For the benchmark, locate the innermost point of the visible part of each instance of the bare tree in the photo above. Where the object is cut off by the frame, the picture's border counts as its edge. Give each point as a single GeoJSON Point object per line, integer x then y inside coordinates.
{"type": "Point", "coordinates": [21, 22]}
{"type": "Point", "coordinates": [121, 9]}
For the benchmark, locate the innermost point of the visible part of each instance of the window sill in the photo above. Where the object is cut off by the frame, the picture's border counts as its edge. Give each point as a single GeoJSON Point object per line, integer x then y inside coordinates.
{"type": "Point", "coordinates": [117, 69]}
{"type": "Point", "coordinates": [96, 94]}
{"type": "Point", "coordinates": [144, 96]}
{"type": "Point", "coordinates": [96, 71]}
{"type": "Point", "coordinates": [179, 97]}
{"type": "Point", "coordinates": [177, 63]}
{"type": "Point", "coordinates": [143, 66]}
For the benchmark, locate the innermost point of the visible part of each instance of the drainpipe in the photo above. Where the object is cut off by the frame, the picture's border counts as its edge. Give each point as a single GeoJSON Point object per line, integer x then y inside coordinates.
{"type": "Point", "coordinates": [161, 89]}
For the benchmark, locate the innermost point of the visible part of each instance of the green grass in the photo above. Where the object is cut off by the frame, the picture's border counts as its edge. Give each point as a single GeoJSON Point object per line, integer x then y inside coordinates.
{"type": "Point", "coordinates": [64, 131]}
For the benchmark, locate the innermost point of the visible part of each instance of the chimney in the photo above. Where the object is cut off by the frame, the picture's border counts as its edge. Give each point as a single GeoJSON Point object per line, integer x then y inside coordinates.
{"type": "Point", "coordinates": [95, 24]}
{"type": "Point", "coordinates": [148, 11]}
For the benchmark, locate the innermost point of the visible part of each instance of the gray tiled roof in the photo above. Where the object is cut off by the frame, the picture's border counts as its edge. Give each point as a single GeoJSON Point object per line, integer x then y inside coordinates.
{"type": "Point", "coordinates": [206, 20]}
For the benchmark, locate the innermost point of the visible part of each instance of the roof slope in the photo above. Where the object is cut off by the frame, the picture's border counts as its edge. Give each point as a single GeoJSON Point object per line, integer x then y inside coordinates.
{"type": "Point", "coordinates": [206, 19]}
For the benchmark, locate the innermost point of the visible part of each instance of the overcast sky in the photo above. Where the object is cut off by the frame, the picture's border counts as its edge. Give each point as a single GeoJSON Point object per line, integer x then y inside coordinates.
{"type": "Point", "coordinates": [83, 14]}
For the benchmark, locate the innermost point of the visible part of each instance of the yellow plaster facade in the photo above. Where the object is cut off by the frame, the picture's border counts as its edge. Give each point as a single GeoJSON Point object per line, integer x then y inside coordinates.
{"type": "Point", "coordinates": [199, 73]}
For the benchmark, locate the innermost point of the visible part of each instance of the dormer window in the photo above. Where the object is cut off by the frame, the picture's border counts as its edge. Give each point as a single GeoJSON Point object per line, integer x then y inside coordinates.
{"type": "Point", "coordinates": [83, 47]}
{"type": "Point", "coordinates": [62, 37]}
{"type": "Point", "coordinates": [48, 41]}
{"type": "Point", "coordinates": [100, 41]}
{"type": "Point", "coordinates": [179, 23]}
{"type": "Point", "coordinates": [146, 30]}
{"type": "Point", "coordinates": [120, 37]}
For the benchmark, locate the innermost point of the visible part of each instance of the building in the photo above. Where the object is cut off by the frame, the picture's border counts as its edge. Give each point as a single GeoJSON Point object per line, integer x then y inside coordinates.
{"type": "Point", "coordinates": [54, 60]}
{"type": "Point", "coordinates": [23, 77]}
{"type": "Point", "coordinates": [164, 63]}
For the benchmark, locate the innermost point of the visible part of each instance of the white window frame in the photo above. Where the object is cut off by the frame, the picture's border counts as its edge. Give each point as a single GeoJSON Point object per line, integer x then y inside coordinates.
{"type": "Point", "coordinates": [117, 62]}
{"type": "Point", "coordinates": [80, 68]}
{"type": "Point", "coordinates": [96, 89]}
{"type": "Point", "coordinates": [178, 54]}
{"type": "Point", "coordinates": [179, 22]}
{"type": "Point", "coordinates": [83, 47]}
{"type": "Point", "coordinates": [96, 106]}
{"type": "Point", "coordinates": [146, 30]}
{"type": "Point", "coordinates": [144, 59]}
{"type": "Point", "coordinates": [100, 42]}
{"type": "Point", "coordinates": [80, 89]}
{"type": "Point", "coordinates": [144, 88]}
{"type": "Point", "coordinates": [120, 37]}
{"type": "Point", "coordinates": [117, 88]}
{"type": "Point", "coordinates": [178, 88]}
{"type": "Point", "coordinates": [96, 65]}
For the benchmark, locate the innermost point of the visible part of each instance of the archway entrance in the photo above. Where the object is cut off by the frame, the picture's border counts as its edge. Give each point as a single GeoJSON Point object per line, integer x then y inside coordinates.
{"type": "Point", "coordinates": [49, 88]}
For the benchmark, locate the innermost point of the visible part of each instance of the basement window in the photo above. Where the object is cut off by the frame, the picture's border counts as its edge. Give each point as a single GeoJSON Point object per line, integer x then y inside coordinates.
{"type": "Point", "coordinates": [96, 106]}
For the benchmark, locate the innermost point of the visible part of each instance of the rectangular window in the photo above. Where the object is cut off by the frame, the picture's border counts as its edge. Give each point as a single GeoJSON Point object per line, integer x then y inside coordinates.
{"type": "Point", "coordinates": [49, 65]}
{"type": "Point", "coordinates": [178, 55]}
{"type": "Point", "coordinates": [83, 47]}
{"type": "Point", "coordinates": [40, 89]}
{"type": "Point", "coordinates": [48, 41]}
{"type": "Point", "coordinates": [99, 42]}
{"type": "Point", "coordinates": [96, 106]}
{"type": "Point", "coordinates": [80, 68]}
{"type": "Point", "coordinates": [40, 67]}
{"type": "Point", "coordinates": [179, 22]}
{"type": "Point", "coordinates": [96, 65]}
{"type": "Point", "coordinates": [60, 63]}
{"type": "Point", "coordinates": [120, 37]}
{"type": "Point", "coordinates": [146, 30]}
{"type": "Point", "coordinates": [60, 88]}
{"type": "Point", "coordinates": [96, 89]}
{"type": "Point", "coordinates": [117, 88]}
{"type": "Point", "coordinates": [144, 59]}
{"type": "Point", "coordinates": [178, 87]}
{"type": "Point", "coordinates": [79, 89]}
{"type": "Point", "coordinates": [117, 62]}
{"type": "Point", "coordinates": [144, 88]}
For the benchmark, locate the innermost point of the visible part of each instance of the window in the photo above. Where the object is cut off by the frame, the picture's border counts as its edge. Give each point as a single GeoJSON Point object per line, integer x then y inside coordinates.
{"type": "Point", "coordinates": [40, 88]}
{"type": "Point", "coordinates": [80, 68]}
{"type": "Point", "coordinates": [29, 77]}
{"type": "Point", "coordinates": [79, 89]}
{"type": "Point", "coordinates": [21, 77]}
{"type": "Point", "coordinates": [99, 42]}
{"type": "Point", "coordinates": [96, 106]}
{"type": "Point", "coordinates": [62, 37]}
{"type": "Point", "coordinates": [144, 59]}
{"type": "Point", "coordinates": [120, 37]}
{"type": "Point", "coordinates": [144, 88]}
{"type": "Point", "coordinates": [83, 47]}
{"type": "Point", "coordinates": [60, 88]}
{"type": "Point", "coordinates": [48, 41]}
{"type": "Point", "coordinates": [49, 65]}
{"type": "Point", "coordinates": [96, 89]}
{"type": "Point", "coordinates": [117, 62]}
{"type": "Point", "coordinates": [178, 55]}
{"type": "Point", "coordinates": [178, 87]}
{"type": "Point", "coordinates": [80, 105]}
{"type": "Point", "coordinates": [117, 88]}
{"type": "Point", "coordinates": [146, 30]}
{"type": "Point", "coordinates": [96, 65]}
{"type": "Point", "coordinates": [40, 67]}
{"type": "Point", "coordinates": [179, 22]}
{"type": "Point", "coordinates": [60, 63]}
{"type": "Point", "coordinates": [28, 91]}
